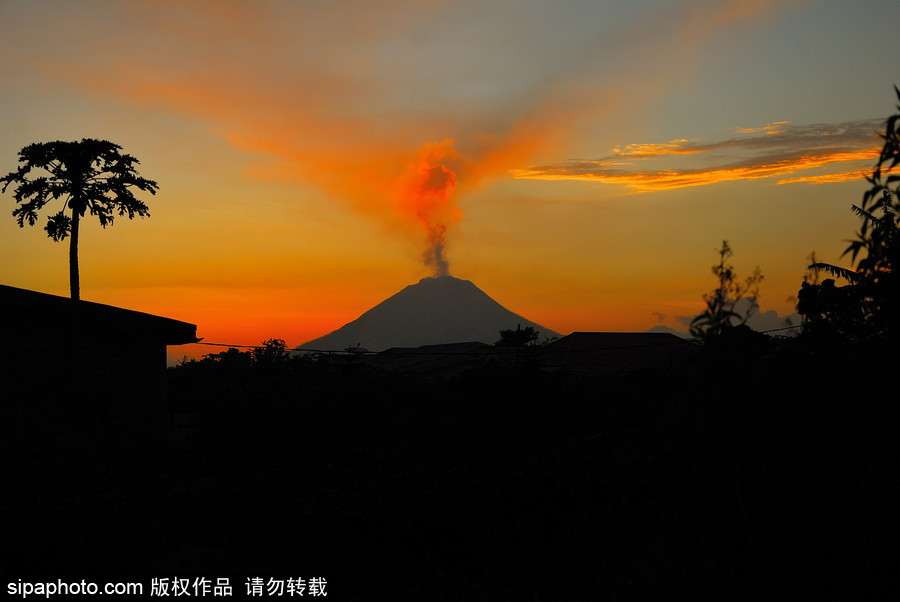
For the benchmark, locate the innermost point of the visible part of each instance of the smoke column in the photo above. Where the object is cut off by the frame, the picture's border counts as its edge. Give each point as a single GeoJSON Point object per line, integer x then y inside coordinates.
{"type": "Point", "coordinates": [427, 200]}
{"type": "Point", "coordinates": [434, 255]}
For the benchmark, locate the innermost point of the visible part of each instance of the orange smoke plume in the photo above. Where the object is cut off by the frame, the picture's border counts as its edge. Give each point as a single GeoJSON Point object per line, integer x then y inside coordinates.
{"type": "Point", "coordinates": [425, 199]}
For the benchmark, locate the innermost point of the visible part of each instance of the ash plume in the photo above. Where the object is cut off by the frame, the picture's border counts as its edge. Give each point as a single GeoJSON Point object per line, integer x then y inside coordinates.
{"type": "Point", "coordinates": [428, 203]}
{"type": "Point", "coordinates": [434, 255]}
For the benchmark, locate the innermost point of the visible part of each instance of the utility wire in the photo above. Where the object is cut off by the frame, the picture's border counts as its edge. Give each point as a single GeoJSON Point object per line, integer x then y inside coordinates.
{"type": "Point", "coordinates": [286, 349]}
{"type": "Point", "coordinates": [777, 329]}
{"type": "Point", "coordinates": [227, 345]}
{"type": "Point", "coordinates": [406, 350]}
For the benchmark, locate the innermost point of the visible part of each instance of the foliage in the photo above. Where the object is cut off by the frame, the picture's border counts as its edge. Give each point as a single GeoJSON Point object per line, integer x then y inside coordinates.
{"type": "Point", "coordinates": [272, 352]}
{"type": "Point", "coordinates": [866, 307]}
{"type": "Point", "coordinates": [230, 357]}
{"type": "Point", "coordinates": [827, 307]}
{"type": "Point", "coordinates": [89, 175]}
{"type": "Point", "coordinates": [520, 338]}
{"type": "Point", "coordinates": [622, 488]}
{"type": "Point", "coordinates": [720, 314]}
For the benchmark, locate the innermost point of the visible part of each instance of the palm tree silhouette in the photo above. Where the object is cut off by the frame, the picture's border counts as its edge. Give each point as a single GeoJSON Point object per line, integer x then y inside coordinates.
{"type": "Point", "coordinates": [90, 175]}
{"type": "Point", "coordinates": [874, 290]}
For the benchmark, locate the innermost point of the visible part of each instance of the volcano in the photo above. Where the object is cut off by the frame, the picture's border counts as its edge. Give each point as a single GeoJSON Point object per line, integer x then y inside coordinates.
{"type": "Point", "coordinates": [438, 309]}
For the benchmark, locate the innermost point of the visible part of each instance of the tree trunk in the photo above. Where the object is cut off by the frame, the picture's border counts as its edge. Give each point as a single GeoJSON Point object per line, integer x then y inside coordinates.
{"type": "Point", "coordinates": [74, 282]}
{"type": "Point", "coordinates": [79, 392]}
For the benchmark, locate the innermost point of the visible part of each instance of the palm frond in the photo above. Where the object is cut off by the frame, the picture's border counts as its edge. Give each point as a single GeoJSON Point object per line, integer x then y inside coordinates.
{"type": "Point", "coordinates": [864, 214]}
{"type": "Point", "coordinates": [854, 248]}
{"type": "Point", "coordinates": [887, 200]}
{"type": "Point", "coordinates": [837, 272]}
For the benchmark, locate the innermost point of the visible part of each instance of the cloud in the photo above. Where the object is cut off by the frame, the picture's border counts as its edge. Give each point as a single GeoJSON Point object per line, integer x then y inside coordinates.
{"type": "Point", "coordinates": [774, 150]}
{"type": "Point", "coordinates": [349, 96]}
{"type": "Point", "coordinates": [761, 321]}
{"type": "Point", "coordinates": [841, 176]}
{"type": "Point", "coordinates": [771, 128]}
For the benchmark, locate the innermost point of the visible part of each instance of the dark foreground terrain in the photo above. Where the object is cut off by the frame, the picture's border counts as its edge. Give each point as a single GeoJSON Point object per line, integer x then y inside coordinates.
{"type": "Point", "coordinates": [739, 476]}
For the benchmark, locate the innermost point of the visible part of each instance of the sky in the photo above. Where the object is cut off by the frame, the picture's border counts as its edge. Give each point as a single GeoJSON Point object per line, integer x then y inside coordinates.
{"type": "Point", "coordinates": [579, 161]}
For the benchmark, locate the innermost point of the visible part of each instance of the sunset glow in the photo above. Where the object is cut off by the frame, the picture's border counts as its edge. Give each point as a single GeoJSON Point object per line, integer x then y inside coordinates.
{"type": "Point", "coordinates": [578, 161]}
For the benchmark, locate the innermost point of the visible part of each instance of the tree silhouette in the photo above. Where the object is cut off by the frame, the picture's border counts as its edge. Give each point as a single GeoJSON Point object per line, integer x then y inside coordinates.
{"type": "Point", "coordinates": [272, 352]}
{"type": "Point", "coordinates": [719, 314]}
{"type": "Point", "coordinates": [90, 175]}
{"type": "Point", "coordinates": [519, 338]}
{"type": "Point", "coordinates": [867, 306]}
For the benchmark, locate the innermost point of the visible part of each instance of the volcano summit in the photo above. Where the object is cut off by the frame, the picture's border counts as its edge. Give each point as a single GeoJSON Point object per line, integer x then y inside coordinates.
{"type": "Point", "coordinates": [439, 309]}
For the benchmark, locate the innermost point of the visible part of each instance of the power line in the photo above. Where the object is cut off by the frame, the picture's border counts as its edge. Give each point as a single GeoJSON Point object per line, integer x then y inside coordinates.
{"type": "Point", "coordinates": [365, 351]}
{"type": "Point", "coordinates": [230, 346]}
{"type": "Point", "coordinates": [785, 328]}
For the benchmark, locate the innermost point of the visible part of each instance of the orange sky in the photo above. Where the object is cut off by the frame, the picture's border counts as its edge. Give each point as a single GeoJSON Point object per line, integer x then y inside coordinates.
{"type": "Point", "coordinates": [579, 161]}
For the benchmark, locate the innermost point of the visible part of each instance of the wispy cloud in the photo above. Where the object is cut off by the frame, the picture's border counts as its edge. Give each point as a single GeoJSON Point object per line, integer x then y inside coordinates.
{"type": "Point", "coordinates": [771, 128]}
{"type": "Point", "coordinates": [350, 96]}
{"type": "Point", "coordinates": [841, 176]}
{"type": "Point", "coordinates": [774, 150]}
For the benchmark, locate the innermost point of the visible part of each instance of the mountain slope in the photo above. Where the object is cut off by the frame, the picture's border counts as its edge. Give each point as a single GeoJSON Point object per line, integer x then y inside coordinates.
{"type": "Point", "coordinates": [437, 310]}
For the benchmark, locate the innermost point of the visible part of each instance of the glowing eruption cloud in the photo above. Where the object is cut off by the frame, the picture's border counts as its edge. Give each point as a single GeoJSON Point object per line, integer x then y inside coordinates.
{"type": "Point", "coordinates": [426, 200]}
